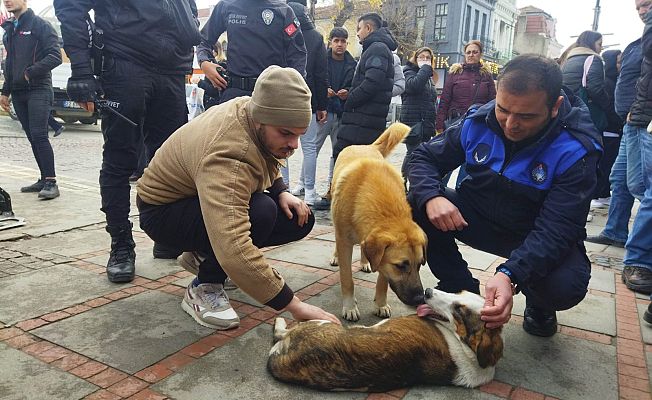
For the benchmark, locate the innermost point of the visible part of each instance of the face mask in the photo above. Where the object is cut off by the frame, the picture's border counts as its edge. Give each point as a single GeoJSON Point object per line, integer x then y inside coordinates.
{"type": "Point", "coordinates": [421, 63]}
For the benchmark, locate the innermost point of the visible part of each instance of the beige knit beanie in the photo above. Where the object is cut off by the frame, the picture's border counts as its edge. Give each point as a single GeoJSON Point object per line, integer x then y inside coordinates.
{"type": "Point", "coordinates": [281, 98]}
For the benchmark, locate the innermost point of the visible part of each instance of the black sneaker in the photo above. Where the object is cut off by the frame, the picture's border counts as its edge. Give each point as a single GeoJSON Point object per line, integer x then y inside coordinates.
{"type": "Point", "coordinates": [600, 239]}
{"type": "Point", "coordinates": [638, 279]}
{"type": "Point", "coordinates": [122, 260]}
{"type": "Point", "coordinates": [34, 187]}
{"type": "Point", "coordinates": [539, 322]}
{"type": "Point", "coordinates": [322, 204]}
{"type": "Point", "coordinates": [165, 252]}
{"type": "Point", "coordinates": [50, 190]}
{"type": "Point", "coordinates": [59, 131]}
{"type": "Point", "coordinates": [647, 316]}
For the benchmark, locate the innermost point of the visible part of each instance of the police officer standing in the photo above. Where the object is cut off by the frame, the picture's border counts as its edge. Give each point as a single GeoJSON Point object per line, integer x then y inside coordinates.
{"type": "Point", "coordinates": [261, 33]}
{"type": "Point", "coordinates": [147, 51]}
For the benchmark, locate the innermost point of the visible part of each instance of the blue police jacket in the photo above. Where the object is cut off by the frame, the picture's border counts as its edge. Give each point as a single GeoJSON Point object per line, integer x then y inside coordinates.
{"type": "Point", "coordinates": [539, 189]}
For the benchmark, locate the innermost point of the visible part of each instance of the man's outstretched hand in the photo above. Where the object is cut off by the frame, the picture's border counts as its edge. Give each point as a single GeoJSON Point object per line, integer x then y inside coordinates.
{"type": "Point", "coordinates": [498, 302]}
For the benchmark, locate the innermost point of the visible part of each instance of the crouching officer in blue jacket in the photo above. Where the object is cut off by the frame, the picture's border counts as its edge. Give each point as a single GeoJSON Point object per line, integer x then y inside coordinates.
{"type": "Point", "coordinates": [531, 155]}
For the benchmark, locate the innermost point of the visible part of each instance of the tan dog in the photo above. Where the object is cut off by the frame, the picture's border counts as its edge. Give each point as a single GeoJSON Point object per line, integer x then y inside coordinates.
{"type": "Point", "coordinates": [369, 207]}
{"type": "Point", "coordinates": [446, 343]}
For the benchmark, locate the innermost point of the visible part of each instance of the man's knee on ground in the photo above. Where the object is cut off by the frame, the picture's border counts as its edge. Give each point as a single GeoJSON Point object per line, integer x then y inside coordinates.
{"type": "Point", "coordinates": [262, 210]}
{"type": "Point", "coordinates": [558, 296]}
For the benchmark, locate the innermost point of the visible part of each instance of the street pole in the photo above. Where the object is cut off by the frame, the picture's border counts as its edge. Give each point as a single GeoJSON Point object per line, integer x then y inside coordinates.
{"type": "Point", "coordinates": [596, 15]}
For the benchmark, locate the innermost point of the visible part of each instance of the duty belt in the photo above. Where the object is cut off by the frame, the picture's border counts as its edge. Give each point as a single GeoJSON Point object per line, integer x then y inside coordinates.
{"type": "Point", "coordinates": [242, 82]}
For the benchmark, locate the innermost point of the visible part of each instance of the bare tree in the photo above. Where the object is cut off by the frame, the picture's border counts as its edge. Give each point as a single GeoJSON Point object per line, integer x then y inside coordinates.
{"type": "Point", "coordinates": [401, 21]}
{"type": "Point", "coordinates": [345, 10]}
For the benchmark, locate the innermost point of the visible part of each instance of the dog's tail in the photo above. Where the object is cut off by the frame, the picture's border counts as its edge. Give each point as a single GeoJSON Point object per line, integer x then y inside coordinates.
{"type": "Point", "coordinates": [391, 137]}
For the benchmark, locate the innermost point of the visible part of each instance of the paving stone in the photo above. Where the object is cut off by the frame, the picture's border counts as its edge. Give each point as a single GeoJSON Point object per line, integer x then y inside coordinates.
{"type": "Point", "coordinates": [331, 301]}
{"type": "Point", "coordinates": [594, 247]}
{"type": "Point", "coordinates": [129, 334]}
{"type": "Point", "coordinates": [295, 278]}
{"type": "Point", "coordinates": [594, 313]}
{"type": "Point", "coordinates": [24, 377]}
{"type": "Point", "coordinates": [614, 251]}
{"type": "Point", "coordinates": [561, 366]}
{"type": "Point", "coordinates": [39, 292]}
{"type": "Point", "coordinates": [648, 355]}
{"type": "Point", "coordinates": [447, 393]}
{"type": "Point", "coordinates": [237, 370]}
{"type": "Point", "coordinates": [314, 253]}
{"type": "Point", "coordinates": [327, 236]}
{"type": "Point", "coordinates": [602, 280]}
{"type": "Point", "coordinates": [477, 259]}
{"type": "Point", "coordinates": [146, 265]}
{"type": "Point", "coordinates": [646, 329]}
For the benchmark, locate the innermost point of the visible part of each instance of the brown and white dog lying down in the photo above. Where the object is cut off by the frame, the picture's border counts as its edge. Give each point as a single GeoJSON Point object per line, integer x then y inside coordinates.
{"type": "Point", "coordinates": [369, 207]}
{"type": "Point", "coordinates": [446, 343]}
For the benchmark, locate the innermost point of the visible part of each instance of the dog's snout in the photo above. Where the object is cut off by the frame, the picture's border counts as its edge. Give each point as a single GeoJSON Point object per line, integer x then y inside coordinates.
{"type": "Point", "coordinates": [418, 299]}
{"type": "Point", "coordinates": [429, 293]}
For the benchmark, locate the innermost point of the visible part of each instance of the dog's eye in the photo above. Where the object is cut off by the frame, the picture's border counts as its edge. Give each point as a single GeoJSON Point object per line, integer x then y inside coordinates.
{"type": "Point", "coordinates": [403, 266]}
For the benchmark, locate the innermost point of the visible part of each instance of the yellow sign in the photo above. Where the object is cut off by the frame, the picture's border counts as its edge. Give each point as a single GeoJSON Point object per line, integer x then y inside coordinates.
{"type": "Point", "coordinates": [441, 61]}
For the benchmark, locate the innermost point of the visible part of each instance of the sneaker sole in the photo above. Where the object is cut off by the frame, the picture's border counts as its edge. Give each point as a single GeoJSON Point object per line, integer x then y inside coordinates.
{"type": "Point", "coordinates": [190, 267]}
{"type": "Point", "coordinates": [48, 197]}
{"type": "Point", "coordinates": [120, 278]}
{"type": "Point", "coordinates": [189, 310]}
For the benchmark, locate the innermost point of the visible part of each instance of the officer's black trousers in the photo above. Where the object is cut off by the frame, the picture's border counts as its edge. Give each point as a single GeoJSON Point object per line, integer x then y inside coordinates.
{"type": "Point", "coordinates": [181, 225]}
{"type": "Point", "coordinates": [564, 287]}
{"type": "Point", "coordinates": [157, 103]}
{"type": "Point", "coordinates": [33, 109]}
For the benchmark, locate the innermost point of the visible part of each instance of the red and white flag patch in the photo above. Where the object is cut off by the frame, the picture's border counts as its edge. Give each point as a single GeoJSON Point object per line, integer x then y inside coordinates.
{"type": "Point", "coordinates": [290, 29]}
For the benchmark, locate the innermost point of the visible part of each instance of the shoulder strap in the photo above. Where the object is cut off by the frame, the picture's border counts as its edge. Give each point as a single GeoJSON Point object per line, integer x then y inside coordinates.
{"type": "Point", "coordinates": [587, 66]}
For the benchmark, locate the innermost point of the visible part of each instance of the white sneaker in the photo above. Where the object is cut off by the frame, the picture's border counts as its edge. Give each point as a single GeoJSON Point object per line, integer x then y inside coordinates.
{"type": "Point", "coordinates": [599, 203]}
{"type": "Point", "coordinates": [229, 284]}
{"type": "Point", "coordinates": [605, 200]}
{"type": "Point", "coordinates": [298, 190]}
{"type": "Point", "coordinates": [209, 305]}
{"type": "Point", "coordinates": [589, 217]}
{"type": "Point", "coordinates": [311, 197]}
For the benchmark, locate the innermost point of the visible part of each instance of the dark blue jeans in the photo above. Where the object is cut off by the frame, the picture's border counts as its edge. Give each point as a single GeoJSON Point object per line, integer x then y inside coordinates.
{"type": "Point", "coordinates": [33, 110]}
{"type": "Point", "coordinates": [181, 225]}
{"type": "Point", "coordinates": [157, 103]}
{"type": "Point", "coordinates": [563, 288]}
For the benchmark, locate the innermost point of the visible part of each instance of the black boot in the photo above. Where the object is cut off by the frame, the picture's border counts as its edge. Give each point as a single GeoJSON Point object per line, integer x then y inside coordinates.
{"type": "Point", "coordinates": [165, 252]}
{"type": "Point", "coordinates": [539, 322]}
{"type": "Point", "coordinates": [121, 266]}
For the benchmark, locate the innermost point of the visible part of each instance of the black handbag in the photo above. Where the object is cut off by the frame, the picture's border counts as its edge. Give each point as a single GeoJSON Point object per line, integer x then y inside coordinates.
{"type": "Point", "coordinates": [415, 136]}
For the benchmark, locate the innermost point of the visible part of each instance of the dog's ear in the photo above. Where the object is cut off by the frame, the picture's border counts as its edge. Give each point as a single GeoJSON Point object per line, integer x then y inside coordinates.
{"type": "Point", "coordinates": [373, 248]}
{"type": "Point", "coordinates": [490, 348]}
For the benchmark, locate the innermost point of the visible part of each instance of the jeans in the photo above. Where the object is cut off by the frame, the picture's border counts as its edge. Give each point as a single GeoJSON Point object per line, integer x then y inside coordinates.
{"type": "Point", "coordinates": [638, 249]}
{"type": "Point", "coordinates": [564, 287]}
{"type": "Point", "coordinates": [181, 225]}
{"type": "Point", "coordinates": [33, 109]}
{"type": "Point", "coordinates": [311, 144]}
{"type": "Point", "coordinates": [620, 207]}
{"type": "Point", "coordinates": [157, 103]}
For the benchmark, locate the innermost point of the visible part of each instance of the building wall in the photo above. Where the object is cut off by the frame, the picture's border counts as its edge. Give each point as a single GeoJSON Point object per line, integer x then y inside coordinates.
{"type": "Point", "coordinates": [503, 29]}
{"type": "Point", "coordinates": [535, 33]}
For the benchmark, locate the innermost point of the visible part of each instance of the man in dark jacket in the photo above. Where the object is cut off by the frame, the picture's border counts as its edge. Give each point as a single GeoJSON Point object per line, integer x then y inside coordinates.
{"type": "Point", "coordinates": [261, 33]}
{"type": "Point", "coordinates": [637, 273]}
{"type": "Point", "coordinates": [630, 175]}
{"type": "Point", "coordinates": [531, 155]}
{"type": "Point", "coordinates": [147, 53]}
{"type": "Point", "coordinates": [32, 52]}
{"type": "Point", "coordinates": [367, 104]}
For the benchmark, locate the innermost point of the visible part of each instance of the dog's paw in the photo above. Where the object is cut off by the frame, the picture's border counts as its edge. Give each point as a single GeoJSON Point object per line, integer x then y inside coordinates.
{"type": "Point", "coordinates": [351, 314]}
{"type": "Point", "coordinates": [384, 311]}
{"type": "Point", "coordinates": [365, 267]}
{"type": "Point", "coordinates": [333, 261]}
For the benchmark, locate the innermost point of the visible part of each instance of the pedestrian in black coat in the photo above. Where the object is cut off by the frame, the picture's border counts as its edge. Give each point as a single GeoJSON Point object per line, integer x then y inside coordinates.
{"type": "Point", "coordinates": [418, 100]}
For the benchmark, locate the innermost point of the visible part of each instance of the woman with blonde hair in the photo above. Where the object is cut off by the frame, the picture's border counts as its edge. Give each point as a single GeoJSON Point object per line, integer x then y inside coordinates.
{"type": "Point", "coordinates": [466, 84]}
{"type": "Point", "coordinates": [418, 99]}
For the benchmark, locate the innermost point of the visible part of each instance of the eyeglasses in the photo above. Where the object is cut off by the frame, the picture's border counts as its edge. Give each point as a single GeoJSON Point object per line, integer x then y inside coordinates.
{"type": "Point", "coordinates": [424, 58]}
{"type": "Point", "coordinates": [468, 53]}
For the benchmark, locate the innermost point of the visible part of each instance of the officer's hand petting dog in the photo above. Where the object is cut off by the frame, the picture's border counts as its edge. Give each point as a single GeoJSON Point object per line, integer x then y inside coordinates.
{"type": "Point", "coordinates": [288, 202]}
{"type": "Point", "coordinates": [498, 302]}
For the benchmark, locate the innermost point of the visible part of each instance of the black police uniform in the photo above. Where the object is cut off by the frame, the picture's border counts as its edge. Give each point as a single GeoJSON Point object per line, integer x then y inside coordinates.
{"type": "Point", "coordinates": [261, 33]}
{"type": "Point", "coordinates": [147, 53]}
